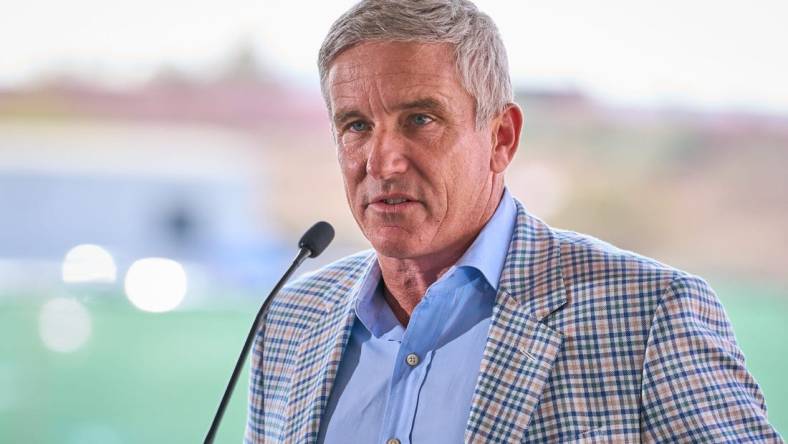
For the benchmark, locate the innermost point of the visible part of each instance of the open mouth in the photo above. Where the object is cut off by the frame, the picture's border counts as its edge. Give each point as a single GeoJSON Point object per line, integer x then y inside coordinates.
{"type": "Point", "coordinates": [394, 201]}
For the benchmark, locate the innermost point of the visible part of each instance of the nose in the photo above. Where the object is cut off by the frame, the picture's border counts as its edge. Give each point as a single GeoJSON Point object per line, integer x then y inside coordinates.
{"type": "Point", "coordinates": [387, 155]}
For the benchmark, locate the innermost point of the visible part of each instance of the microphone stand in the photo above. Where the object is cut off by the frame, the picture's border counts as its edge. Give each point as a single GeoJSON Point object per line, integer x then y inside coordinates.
{"type": "Point", "coordinates": [303, 253]}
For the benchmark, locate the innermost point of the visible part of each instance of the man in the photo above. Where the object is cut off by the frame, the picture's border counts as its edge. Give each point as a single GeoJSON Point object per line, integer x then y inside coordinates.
{"type": "Point", "coordinates": [472, 320]}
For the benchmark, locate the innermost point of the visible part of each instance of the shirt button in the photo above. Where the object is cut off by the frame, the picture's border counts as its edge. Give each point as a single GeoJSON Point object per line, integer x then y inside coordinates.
{"type": "Point", "coordinates": [412, 359]}
{"type": "Point", "coordinates": [392, 441]}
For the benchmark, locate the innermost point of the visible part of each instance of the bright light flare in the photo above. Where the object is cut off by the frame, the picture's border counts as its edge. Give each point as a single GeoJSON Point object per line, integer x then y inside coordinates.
{"type": "Point", "coordinates": [156, 284]}
{"type": "Point", "coordinates": [88, 263]}
{"type": "Point", "coordinates": [64, 325]}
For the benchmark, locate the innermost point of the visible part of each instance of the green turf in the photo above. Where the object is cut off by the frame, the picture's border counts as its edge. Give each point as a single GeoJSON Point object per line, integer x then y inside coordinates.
{"type": "Point", "coordinates": [140, 378]}
{"type": "Point", "coordinates": [759, 315]}
{"type": "Point", "coordinates": [150, 378]}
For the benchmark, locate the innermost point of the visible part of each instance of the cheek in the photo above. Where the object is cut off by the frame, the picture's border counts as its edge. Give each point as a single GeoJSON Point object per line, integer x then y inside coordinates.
{"type": "Point", "coordinates": [353, 166]}
{"type": "Point", "coordinates": [468, 174]}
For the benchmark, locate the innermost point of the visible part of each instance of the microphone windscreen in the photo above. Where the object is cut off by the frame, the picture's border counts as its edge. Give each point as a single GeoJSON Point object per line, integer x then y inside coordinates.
{"type": "Point", "coordinates": [317, 238]}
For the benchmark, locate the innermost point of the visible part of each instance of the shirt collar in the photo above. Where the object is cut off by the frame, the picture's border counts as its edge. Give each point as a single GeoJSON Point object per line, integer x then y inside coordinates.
{"type": "Point", "coordinates": [371, 307]}
{"type": "Point", "coordinates": [487, 254]}
{"type": "Point", "coordinates": [488, 251]}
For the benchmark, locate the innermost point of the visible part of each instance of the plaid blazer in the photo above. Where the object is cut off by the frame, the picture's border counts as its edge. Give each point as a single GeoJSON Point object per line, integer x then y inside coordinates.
{"type": "Point", "coordinates": [587, 343]}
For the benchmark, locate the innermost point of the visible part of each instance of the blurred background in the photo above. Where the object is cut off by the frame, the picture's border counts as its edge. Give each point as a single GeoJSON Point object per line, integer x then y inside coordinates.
{"type": "Point", "coordinates": [159, 160]}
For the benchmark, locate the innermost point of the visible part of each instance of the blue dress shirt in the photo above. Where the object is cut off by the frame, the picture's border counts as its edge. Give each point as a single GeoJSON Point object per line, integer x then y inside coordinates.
{"type": "Point", "coordinates": [415, 384]}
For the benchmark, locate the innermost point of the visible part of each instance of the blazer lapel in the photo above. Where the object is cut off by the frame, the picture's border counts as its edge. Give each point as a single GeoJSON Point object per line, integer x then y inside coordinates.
{"type": "Point", "coordinates": [319, 354]}
{"type": "Point", "coordinates": [521, 350]}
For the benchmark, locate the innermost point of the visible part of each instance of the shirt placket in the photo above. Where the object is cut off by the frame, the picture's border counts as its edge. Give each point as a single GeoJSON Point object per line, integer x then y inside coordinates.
{"type": "Point", "coordinates": [411, 368]}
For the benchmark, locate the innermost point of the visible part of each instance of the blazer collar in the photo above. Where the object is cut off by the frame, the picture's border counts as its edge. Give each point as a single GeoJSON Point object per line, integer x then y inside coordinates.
{"type": "Point", "coordinates": [320, 352]}
{"type": "Point", "coordinates": [532, 270]}
{"type": "Point", "coordinates": [521, 349]}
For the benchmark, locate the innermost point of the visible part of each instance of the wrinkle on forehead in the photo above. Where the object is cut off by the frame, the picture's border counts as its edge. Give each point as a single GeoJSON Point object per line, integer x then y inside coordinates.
{"type": "Point", "coordinates": [407, 59]}
{"type": "Point", "coordinates": [349, 74]}
{"type": "Point", "coordinates": [360, 72]}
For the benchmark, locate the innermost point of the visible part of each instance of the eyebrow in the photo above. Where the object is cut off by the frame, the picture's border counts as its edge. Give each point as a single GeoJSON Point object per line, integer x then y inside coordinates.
{"type": "Point", "coordinates": [344, 116]}
{"type": "Point", "coordinates": [427, 103]}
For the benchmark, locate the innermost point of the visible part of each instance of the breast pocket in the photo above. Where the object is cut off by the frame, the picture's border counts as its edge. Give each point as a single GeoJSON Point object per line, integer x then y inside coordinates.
{"type": "Point", "coordinates": [596, 435]}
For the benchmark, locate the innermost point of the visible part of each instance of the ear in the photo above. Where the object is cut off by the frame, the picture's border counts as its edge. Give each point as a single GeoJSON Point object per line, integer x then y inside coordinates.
{"type": "Point", "coordinates": [506, 129]}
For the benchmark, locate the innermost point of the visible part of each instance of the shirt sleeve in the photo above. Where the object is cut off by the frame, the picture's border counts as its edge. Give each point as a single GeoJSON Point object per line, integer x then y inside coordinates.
{"type": "Point", "coordinates": [695, 386]}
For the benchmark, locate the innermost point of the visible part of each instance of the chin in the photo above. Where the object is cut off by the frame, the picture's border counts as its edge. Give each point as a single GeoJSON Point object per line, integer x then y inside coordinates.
{"type": "Point", "coordinates": [395, 246]}
{"type": "Point", "coordinates": [393, 251]}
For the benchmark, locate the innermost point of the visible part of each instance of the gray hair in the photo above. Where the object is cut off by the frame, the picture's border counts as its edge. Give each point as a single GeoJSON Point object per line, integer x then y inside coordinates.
{"type": "Point", "coordinates": [479, 52]}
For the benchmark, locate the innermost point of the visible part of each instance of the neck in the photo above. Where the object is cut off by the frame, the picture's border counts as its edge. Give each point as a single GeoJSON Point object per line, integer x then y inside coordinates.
{"type": "Point", "coordinates": [406, 279]}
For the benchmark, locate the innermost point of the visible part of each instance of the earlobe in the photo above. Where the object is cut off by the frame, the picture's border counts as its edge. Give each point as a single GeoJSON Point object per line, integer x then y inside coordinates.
{"type": "Point", "coordinates": [506, 137]}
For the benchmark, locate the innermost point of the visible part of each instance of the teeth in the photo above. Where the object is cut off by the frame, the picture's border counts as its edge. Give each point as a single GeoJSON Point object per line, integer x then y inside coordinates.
{"type": "Point", "coordinates": [394, 201]}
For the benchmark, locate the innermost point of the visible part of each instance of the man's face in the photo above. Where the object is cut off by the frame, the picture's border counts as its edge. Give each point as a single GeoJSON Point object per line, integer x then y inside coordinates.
{"type": "Point", "coordinates": [417, 172]}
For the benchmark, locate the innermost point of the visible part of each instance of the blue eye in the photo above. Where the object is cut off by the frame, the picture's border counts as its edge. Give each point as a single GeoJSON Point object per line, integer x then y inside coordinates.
{"type": "Point", "coordinates": [358, 126]}
{"type": "Point", "coordinates": [420, 119]}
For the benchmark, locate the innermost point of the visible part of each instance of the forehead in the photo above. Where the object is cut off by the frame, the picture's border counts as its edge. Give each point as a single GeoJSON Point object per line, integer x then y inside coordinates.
{"type": "Point", "coordinates": [394, 70]}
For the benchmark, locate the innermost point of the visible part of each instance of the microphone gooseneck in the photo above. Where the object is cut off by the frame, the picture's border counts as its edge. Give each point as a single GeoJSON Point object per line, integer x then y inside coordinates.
{"type": "Point", "coordinates": [312, 243]}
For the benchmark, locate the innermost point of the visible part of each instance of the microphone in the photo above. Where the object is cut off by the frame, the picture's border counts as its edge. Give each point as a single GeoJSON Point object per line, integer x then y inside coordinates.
{"type": "Point", "coordinates": [312, 243]}
{"type": "Point", "coordinates": [317, 238]}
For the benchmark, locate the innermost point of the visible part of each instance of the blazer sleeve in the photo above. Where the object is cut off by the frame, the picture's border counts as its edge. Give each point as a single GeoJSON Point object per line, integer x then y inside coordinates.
{"type": "Point", "coordinates": [695, 386]}
{"type": "Point", "coordinates": [255, 419]}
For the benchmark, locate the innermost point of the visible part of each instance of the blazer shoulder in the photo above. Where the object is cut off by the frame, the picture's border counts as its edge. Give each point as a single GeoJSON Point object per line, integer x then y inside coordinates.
{"type": "Point", "coordinates": [584, 257]}
{"type": "Point", "coordinates": [597, 272]}
{"type": "Point", "coordinates": [314, 291]}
